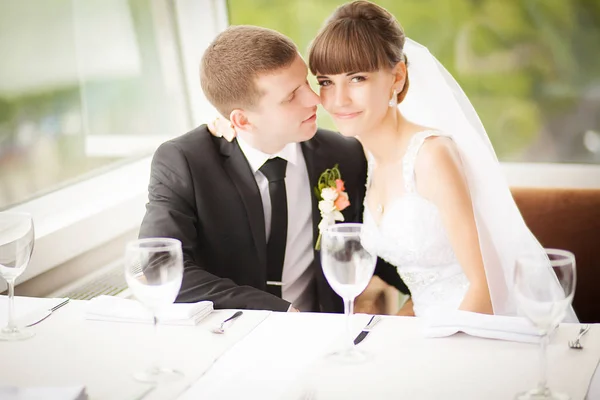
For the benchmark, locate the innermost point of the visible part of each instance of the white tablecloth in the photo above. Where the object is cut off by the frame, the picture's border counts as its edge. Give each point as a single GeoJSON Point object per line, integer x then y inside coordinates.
{"type": "Point", "coordinates": [282, 359]}
{"type": "Point", "coordinates": [68, 350]}
{"type": "Point", "coordinates": [279, 356]}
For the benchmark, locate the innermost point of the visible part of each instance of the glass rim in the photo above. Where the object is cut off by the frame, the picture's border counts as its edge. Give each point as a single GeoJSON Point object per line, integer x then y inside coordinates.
{"type": "Point", "coordinates": [568, 257]}
{"type": "Point", "coordinates": [559, 252]}
{"type": "Point", "coordinates": [334, 229]}
{"type": "Point", "coordinates": [17, 213]}
{"type": "Point", "coordinates": [164, 244]}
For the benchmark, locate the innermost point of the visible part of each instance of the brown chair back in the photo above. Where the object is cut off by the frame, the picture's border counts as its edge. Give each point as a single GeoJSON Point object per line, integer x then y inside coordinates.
{"type": "Point", "coordinates": [569, 219]}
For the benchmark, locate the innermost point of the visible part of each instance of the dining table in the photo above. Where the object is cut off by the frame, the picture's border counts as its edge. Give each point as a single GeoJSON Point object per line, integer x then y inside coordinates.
{"type": "Point", "coordinates": [278, 355]}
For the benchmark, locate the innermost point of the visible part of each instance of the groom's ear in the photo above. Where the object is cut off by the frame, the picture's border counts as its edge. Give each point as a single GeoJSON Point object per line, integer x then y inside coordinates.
{"type": "Point", "coordinates": [239, 120]}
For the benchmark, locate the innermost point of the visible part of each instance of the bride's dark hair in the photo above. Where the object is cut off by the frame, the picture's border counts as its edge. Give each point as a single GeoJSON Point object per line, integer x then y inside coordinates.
{"type": "Point", "coordinates": [359, 37]}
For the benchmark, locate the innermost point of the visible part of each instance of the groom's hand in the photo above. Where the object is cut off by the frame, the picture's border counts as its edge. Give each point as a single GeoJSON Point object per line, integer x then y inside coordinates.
{"type": "Point", "coordinates": [407, 309]}
{"type": "Point", "coordinates": [372, 299]}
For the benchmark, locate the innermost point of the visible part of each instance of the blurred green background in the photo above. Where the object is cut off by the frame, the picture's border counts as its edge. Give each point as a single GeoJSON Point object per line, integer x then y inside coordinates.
{"type": "Point", "coordinates": [531, 68]}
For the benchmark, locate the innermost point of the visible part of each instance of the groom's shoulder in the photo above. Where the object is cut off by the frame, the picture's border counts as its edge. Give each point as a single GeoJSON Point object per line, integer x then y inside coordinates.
{"type": "Point", "coordinates": [197, 137]}
{"type": "Point", "coordinates": [195, 142]}
{"type": "Point", "coordinates": [333, 139]}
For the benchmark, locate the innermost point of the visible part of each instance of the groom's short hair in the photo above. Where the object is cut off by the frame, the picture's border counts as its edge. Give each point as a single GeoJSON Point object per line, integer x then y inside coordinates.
{"type": "Point", "coordinates": [236, 58]}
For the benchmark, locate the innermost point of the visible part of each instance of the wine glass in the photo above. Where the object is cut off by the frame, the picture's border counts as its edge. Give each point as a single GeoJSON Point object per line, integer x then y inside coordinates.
{"type": "Point", "coordinates": [348, 267]}
{"type": "Point", "coordinates": [544, 288]}
{"type": "Point", "coordinates": [153, 271]}
{"type": "Point", "coordinates": [16, 245]}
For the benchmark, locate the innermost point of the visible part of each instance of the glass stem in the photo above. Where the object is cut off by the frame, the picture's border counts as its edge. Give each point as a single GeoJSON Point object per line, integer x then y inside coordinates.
{"type": "Point", "coordinates": [542, 384]}
{"type": "Point", "coordinates": [158, 355]}
{"type": "Point", "coordinates": [349, 310]}
{"type": "Point", "coordinates": [11, 305]}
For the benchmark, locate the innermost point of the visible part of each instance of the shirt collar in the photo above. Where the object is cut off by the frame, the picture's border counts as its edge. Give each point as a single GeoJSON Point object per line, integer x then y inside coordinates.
{"type": "Point", "coordinates": [257, 158]}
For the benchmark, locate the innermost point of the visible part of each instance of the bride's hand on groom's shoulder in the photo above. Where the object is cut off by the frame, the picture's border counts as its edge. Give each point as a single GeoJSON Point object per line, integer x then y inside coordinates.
{"type": "Point", "coordinates": [221, 127]}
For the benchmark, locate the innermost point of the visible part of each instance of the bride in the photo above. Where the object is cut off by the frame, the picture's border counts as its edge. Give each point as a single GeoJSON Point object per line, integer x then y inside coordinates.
{"type": "Point", "coordinates": [418, 203]}
{"type": "Point", "coordinates": [437, 204]}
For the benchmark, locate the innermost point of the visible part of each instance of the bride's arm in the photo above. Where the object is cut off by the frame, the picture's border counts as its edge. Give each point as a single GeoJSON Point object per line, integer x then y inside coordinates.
{"type": "Point", "coordinates": [440, 178]}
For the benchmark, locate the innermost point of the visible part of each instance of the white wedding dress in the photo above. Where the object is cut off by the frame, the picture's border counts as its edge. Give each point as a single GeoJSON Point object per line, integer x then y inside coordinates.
{"type": "Point", "coordinates": [410, 235]}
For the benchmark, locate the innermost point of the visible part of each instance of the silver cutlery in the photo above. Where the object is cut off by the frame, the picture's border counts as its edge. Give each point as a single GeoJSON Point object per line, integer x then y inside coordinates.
{"type": "Point", "coordinates": [38, 316]}
{"type": "Point", "coordinates": [575, 344]}
{"type": "Point", "coordinates": [221, 328]}
{"type": "Point", "coordinates": [363, 334]}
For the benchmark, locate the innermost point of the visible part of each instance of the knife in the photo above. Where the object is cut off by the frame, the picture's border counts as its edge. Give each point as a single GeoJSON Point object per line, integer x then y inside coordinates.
{"type": "Point", "coordinates": [363, 334]}
{"type": "Point", "coordinates": [37, 316]}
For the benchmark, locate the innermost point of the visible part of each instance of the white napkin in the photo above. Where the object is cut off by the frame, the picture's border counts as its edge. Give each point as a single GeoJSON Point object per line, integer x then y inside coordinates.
{"type": "Point", "coordinates": [514, 329]}
{"type": "Point", "coordinates": [117, 309]}
{"type": "Point", "coordinates": [46, 393]}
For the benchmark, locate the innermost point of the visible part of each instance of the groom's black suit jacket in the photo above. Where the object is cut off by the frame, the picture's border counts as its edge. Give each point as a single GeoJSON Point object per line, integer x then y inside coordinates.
{"type": "Point", "coordinates": [202, 191]}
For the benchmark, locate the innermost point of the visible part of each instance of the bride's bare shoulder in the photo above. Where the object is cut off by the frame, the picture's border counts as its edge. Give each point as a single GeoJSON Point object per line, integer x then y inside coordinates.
{"type": "Point", "coordinates": [439, 161]}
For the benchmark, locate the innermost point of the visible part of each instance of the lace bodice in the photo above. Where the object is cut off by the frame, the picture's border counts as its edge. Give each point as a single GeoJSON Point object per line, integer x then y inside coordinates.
{"type": "Point", "coordinates": [410, 235]}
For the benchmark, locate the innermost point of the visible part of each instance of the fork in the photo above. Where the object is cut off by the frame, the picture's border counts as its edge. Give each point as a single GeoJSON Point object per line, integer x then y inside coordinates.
{"type": "Point", "coordinates": [574, 344]}
{"type": "Point", "coordinates": [221, 329]}
{"type": "Point", "coordinates": [46, 313]}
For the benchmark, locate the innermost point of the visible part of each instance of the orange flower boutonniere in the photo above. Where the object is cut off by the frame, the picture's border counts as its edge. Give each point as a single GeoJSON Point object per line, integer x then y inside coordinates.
{"type": "Point", "coordinates": [332, 197]}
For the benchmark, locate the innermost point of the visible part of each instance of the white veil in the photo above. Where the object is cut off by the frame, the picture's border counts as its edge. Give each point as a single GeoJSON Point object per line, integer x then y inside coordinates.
{"type": "Point", "coordinates": [435, 99]}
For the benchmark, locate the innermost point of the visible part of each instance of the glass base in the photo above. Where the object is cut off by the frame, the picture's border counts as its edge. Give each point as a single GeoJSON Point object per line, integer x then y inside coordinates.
{"type": "Point", "coordinates": [14, 334]}
{"type": "Point", "coordinates": [158, 375]}
{"type": "Point", "coordinates": [348, 356]}
{"type": "Point", "coordinates": [542, 394]}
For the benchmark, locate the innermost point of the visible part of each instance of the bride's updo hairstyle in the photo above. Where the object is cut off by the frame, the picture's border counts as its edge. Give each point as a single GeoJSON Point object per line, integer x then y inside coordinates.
{"type": "Point", "coordinates": [359, 37]}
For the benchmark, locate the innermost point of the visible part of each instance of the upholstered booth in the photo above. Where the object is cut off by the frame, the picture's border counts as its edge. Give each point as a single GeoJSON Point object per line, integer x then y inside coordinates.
{"type": "Point", "coordinates": [569, 219]}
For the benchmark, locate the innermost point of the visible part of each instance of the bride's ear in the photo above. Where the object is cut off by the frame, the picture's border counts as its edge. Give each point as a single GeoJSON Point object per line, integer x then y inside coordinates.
{"type": "Point", "coordinates": [399, 73]}
{"type": "Point", "coordinates": [401, 82]}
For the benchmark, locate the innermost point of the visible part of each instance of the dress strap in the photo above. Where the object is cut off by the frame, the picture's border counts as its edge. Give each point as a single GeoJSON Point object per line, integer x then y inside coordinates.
{"type": "Point", "coordinates": [410, 157]}
{"type": "Point", "coordinates": [370, 163]}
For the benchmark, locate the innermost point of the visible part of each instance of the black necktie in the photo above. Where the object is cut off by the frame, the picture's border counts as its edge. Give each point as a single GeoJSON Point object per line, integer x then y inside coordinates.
{"type": "Point", "coordinates": [274, 170]}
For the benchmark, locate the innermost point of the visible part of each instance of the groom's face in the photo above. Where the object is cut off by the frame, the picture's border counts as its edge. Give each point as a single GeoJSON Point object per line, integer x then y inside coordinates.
{"type": "Point", "coordinates": [287, 110]}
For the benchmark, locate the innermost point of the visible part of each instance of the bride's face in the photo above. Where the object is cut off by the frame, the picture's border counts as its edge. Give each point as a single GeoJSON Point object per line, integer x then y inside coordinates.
{"type": "Point", "coordinates": [357, 101]}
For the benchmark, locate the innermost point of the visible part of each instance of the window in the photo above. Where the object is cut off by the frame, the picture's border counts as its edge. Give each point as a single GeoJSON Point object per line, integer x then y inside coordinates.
{"type": "Point", "coordinates": [90, 89]}
{"type": "Point", "coordinates": [530, 67]}
{"type": "Point", "coordinates": [84, 86]}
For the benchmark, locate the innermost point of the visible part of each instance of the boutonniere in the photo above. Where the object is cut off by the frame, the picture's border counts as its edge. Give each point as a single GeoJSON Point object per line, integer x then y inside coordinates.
{"type": "Point", "coordinates": [333, 199]}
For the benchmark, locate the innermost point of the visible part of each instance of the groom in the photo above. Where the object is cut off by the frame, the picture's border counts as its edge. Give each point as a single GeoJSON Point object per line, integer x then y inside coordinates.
{"type": "Point", "coordinates": [245, 211]}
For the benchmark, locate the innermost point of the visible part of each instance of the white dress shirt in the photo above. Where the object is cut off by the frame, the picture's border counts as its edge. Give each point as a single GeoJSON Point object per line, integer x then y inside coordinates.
{"type": "Point", "coordinates": [297, 277]}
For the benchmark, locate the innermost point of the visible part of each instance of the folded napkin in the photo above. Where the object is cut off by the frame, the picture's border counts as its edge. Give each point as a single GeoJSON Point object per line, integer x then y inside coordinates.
{"type": "Point", "coordinates": [109, 308]}
{"type": "Point", "coordinates": [514, 329]}
{"type": "Point", "coordinates": [46, 393]}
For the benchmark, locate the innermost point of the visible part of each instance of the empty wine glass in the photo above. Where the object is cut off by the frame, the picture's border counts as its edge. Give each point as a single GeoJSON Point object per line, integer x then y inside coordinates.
{"type": "Point", "coordinates": [154, 271]}
{"type": "Point", "coordinates": [544, 288]}
{"type": "Point", "coordinates": [16, 246]}
{"type": "Point", "coordinates": [348, 267]}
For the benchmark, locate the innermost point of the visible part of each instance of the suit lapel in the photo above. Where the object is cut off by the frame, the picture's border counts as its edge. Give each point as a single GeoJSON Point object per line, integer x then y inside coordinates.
{"type": "Point", "coordinates": [240, 173]}
{"type": "Point", "coordinates": [316, 163]}
{"type": "Point", "coordinates": [314, 166]}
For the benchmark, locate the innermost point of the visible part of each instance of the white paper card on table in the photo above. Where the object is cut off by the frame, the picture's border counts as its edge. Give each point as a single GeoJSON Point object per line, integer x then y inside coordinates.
{"type": "Point", "coordinates": [46, 393]}
{"type": "Point", "coordinates": [117, 309]}
{"type": "Point", "coordinates": [515, 329]}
